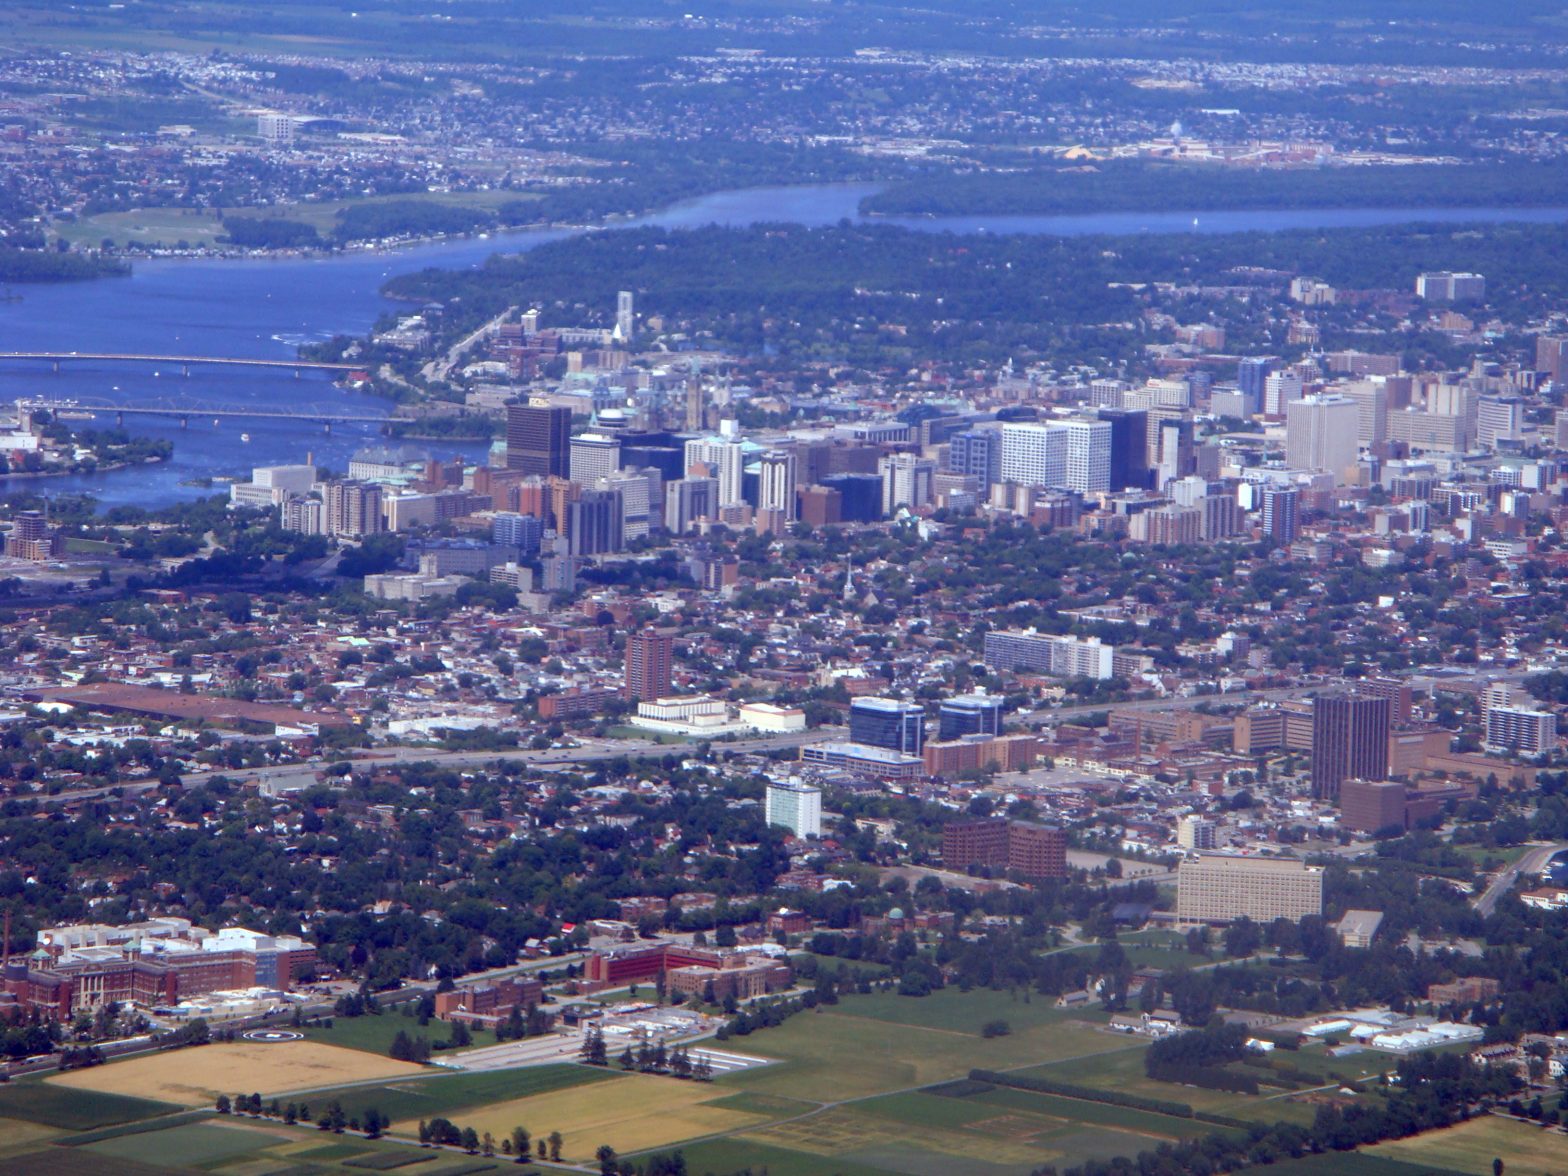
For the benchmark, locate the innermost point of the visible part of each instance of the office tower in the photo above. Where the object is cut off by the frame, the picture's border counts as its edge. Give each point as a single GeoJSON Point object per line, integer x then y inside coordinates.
{"type": "Point", "coordinates": [1371, 399]}
{"type": "Point", "coordinates": [797, 807]}
{"type": "Point", "coordinates": [776, 483]}
{"type": "Point", "coordinates": [1219, 888]}
{"type": "Point", "coordinates": [1372, 806]}
{"type": "Point", "coordinates": [687, 500]}
{"type": "Point", "coordinates": [907, 480]}
{"type": "Point", "coordinates": [977, 453]}
{"type": "Point", "coordinates": [560, 568]}
{"type": "Point", "coordinates": [696, 405]}
{"type": "Point", "coordinates": [860, 496]}
{"type": "Point", "coordinates": [724, 460]}
{"type": "Point", "coordinates": [1498, 418]}
{"type": "Point", "coordinates": [1281, 511]}
{"type": "Point", "coordinates": [524, 532]}
{"type": "Point", "coordinates": [594, 456]}
{"type": "Point", "coordinates": [625, 319]}
{"type": "Point", "coordinates": [1321, 433]}
{"type": "Point", "coordinates": [1279, 389]}
{"type": "Point", "coordinates": [1089, 457]}
{"type": "Point", "coordinates": [1027, 457]}
{"type": "Point", "coordinates": [595, 523]}
{"type": "Point", "coordinates": [1349, 741]}
{"type": "Point", "coordinates": [1195, 832]}
{"type": "Point", "coordinates": [977, 841]}
{"type": "Point", "coordinates": [969, 714]}
{"type": "Point", "coordinates": [1551, 357]}
{"type": "Point", "coordinates": [1129, 447]}
{"type": "Point", "coordinates": [1177, 457]}
{"type": "Point", "coordinates": [650, 665]}
{"type": "Point", "coordinates": [352, 509]}
{"type": "Point", "coordinates": [1252, 374]}
{"type": "Point", "coordinates": [1107, 393]}
{"type": "Point", "coordinates": [888, 722]}
{"type": "Point", "coordinates": [1036, 851]}
{"type": "Point", "coordinates": [538, 438]}
{"type": "Point", "coordinates": [637, 493]}
{"type": "Point", "coordinates": [277, 129]}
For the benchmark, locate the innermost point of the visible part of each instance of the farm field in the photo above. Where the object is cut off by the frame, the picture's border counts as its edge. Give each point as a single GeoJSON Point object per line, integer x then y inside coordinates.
{"type": "Point", "coordinates": [194, 1077]}
{"type": "Point", "coordinates": [435, 1092]}
{"type": "Point", "coordinates": [637, 1113]}
{"type": "Point", "coordinates": [837, 1054]}
{"type": "Point", "coordinates": [53, 1105]}
{"type": "Point", "coordinates": [193, 1145]}
{"type": "Point", "coordinates": [956, 1011]}
{"type": "Point", "coordinates": [1470, 1148]}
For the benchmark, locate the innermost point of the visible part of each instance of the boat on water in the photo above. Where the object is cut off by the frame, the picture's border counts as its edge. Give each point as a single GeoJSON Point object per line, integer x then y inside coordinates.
{"type": "Point", "coordinates": [245, 437]}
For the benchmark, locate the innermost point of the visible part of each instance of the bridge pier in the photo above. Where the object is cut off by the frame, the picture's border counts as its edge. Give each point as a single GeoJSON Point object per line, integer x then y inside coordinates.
{"type": "Point", "coordinates": [119, 418]}
{"type": "Point", "coordinates": [185, 422]}
{"type": "Point", "coordinates": [56, 365]}
{"type": "Point", "coordinates": [327, 427]}
{"type": "Point", "coordinates": [298, 372]}
{"type": "Point", "coordinates": [185, 370]}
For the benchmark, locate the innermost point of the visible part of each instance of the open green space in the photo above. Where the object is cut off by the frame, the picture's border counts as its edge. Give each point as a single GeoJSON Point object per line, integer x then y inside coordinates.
{"type": "Point", "coordinates": [1082, 1111]}
{"type": "Point", "coordinates": [763, 1104]}
{"type": "Point", "coordinates": [77, 1110]}
{"type": "Point", "coordinates": [731, 1155]}
{"type": "Point", "coordinates": [196, 1145]}
{"type": "Point", "coordinates": [956, 1011]}
{"type": "Point", "coordinates": [66, 1162]}
{"type": "Point", "coordinates": [835, 1054]}
{"type": "Point", "coordinates": [1357, 1164]}
{"type": "Point", "coordinates": [374, 1034]}
{"type": "Point", "coordinates": [442, 1094]}
{"type": "Point", "coordinates": [1526, 1149]}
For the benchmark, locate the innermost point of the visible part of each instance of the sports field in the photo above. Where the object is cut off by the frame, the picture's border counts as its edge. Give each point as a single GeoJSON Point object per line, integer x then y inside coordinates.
{"type": "Point", "coordinates": [1526, 1150]}
{"type": "Point", "coordinates": [633, 1114]}
{"type": "Point", "coordinates": [195, 1077]}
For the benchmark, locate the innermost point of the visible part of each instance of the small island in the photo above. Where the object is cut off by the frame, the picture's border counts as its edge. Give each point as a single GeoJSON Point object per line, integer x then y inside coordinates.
{"type": "Point", "coordinates": [38, 444]}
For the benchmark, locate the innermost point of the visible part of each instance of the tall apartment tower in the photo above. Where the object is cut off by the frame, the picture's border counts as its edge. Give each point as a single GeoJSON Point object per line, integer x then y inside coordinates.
{"type": "Point", "coordinates": [1323, 433]}
{"type": "Point", "coordinates": [797, 807]}
{"type": "Point", "coordinates": [625, 317]}
{"type": "Point", "coordinates": [650, 665]}
{"type": "Point", "coordinates": [1251, 374]}
{"type": "Point", "coordinates": [1281, 513]}
{"type": "Point", "coordinates": [776, 483]}
{"type": "Point", "coordinates": [1349, 741]}
{"type": "Point", "coordinates": [538, 439]}
{"type": "Point", "coordinates": [352, 509]}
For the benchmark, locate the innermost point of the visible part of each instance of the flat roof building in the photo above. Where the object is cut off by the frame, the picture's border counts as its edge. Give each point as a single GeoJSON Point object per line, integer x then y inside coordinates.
{"type": "Point", "coordinates": [1220, 888]}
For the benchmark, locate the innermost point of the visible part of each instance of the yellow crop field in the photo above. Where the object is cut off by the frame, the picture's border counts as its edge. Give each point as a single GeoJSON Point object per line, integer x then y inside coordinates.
{"type": "Point", "coordinates": [194, 1077]}
{"type": "Point", "coordinates": [1471, 1147]}
{"type": "Point", "coordinates": [637, 1112]}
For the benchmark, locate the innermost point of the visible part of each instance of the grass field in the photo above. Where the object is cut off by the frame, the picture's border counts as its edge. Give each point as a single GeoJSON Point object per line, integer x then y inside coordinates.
{"type": "Point", "coordinates": [1471, 1147]}
{"type": "Point", "coordinates": [17, 1137]}
{"type": "Point", "coordinates": [57, 1161]}
{"type": "Point", "coordinates": [837, 1054]}
{"type": "Point", "coordinates": [1097, 1114]}
{"type": "Point", "coordinates": [76, 1110]}
{"type": "Point", "coordinates": [962, 1012]}
{"type": "Point", "coordinates": [194, 1077]}
{"type": "Point", "coordinates": [196, 1145]}
{"type": "Point", "coordinates": [1354, 1164]}
{"type": "Point", "coordinates": [729, 1155]}
{"type": "Point", "coordinates": [446, 1093]}
{"type": "Point", "coordinates": [201, 227]}
{"type": "Point", "coordinates": [634, 1114]}
{"type": "Point", "coordinates": [375, 1034]}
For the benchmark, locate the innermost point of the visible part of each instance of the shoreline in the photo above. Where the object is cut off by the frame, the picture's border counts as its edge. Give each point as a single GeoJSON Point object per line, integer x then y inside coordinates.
{"type": "Point", "coordinates": [108, 468]}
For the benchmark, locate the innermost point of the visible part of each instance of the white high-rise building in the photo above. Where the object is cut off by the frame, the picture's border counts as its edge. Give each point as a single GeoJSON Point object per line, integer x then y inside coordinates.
{"type": "Point", "coordinates": [797, 807]}
{"type": "Point", "coordinates": [593, 456]}
{"type": "Point", "coordinates": [625, 318]}
{"type": "Point", "coordinates": [1195, 832]}
{"type": "Point", "coordinates": [776, 483]}
{"type": "Point", "coordinates": [1498, 418]}
{"type": "Point", "coordinates": [1026, 455]}
{"type": "Point", "coordinates": [1279, 389]}
{"type": "Point", "coordinates": [724, 458]}
{"type": "Point", "coordinates": [1088, 455]}
{"type": "Point", "coordinates": [907, 480]}
{"type": "Point", "coordinates": [1323, 433]}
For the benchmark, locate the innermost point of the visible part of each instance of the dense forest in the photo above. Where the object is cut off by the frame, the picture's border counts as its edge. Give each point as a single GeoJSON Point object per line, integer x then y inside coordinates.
{"type": "Point", "coordinates": [1162, 187]}
{"type": "Point", "coordinates": [876, 294]}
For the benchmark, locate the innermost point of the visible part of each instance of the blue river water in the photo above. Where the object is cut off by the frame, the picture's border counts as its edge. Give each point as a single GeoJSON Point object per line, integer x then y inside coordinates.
{"type": "Point", "coordinates": [267, 308]}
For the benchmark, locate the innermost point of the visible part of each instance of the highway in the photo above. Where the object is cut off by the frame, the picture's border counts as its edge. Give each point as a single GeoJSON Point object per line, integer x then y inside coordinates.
{"type": "Point", "coordinates": [1531, 863]}
{"type": "Point", "coordinates": [592, 751]}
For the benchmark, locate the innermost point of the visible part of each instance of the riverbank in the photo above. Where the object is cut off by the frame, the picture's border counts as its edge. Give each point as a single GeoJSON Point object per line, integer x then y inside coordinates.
{"type": "Point", "coordinates": [81, 471]}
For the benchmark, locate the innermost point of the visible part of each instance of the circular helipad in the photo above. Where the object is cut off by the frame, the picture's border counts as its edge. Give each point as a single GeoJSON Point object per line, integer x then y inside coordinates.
{"type": "Point", "coordinates": [272, 1036]}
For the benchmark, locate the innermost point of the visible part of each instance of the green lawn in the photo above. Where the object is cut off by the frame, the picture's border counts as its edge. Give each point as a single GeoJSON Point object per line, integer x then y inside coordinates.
{"type": "Point", "coordinates": [963, 1012]}
{"type": "Point", "coordinates": [443, 1093]}
{"type": "Point", "coordinates": [78, 1110]}
{"type": "Point", "coordinates": [374, 1034]}
{"type": "Point", "coordinates": [729, 1155]}
{"type": "Point", "coordinates": [1081, 1111]}
{"type": "Point", "coordinates": [833, 1053]}
{"type": "Point", "coordinates": [197, 1145]}
{"type": "Point", "coordinates": [1354, 1164]}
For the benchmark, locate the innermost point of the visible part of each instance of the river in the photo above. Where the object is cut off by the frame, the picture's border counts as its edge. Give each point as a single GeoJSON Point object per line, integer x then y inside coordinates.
{"type": "Point", "coordinates": [267, 308]}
